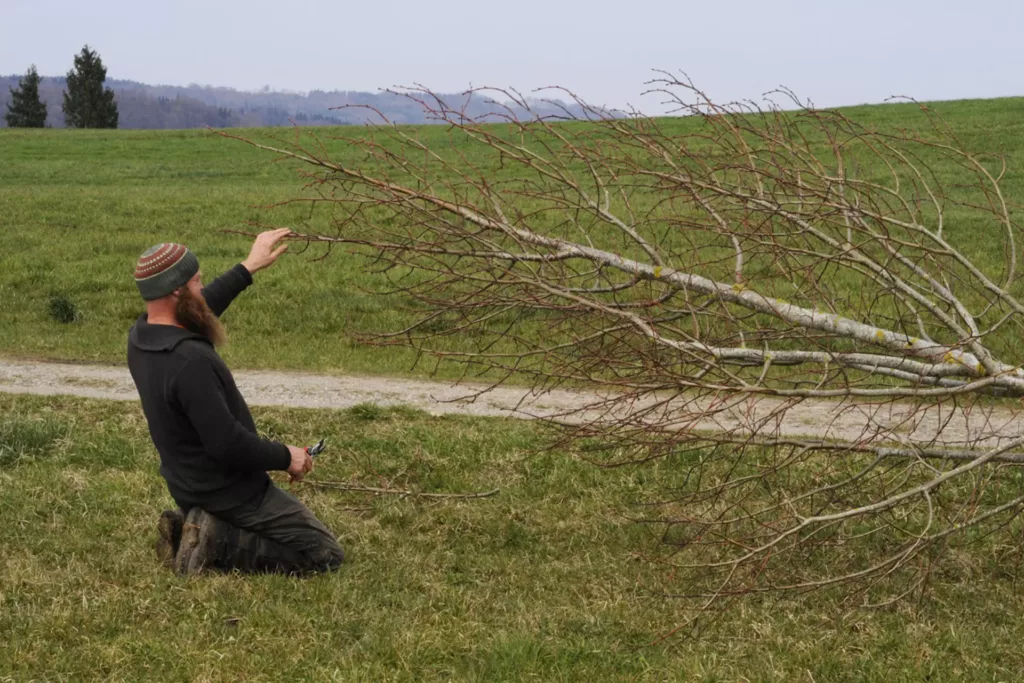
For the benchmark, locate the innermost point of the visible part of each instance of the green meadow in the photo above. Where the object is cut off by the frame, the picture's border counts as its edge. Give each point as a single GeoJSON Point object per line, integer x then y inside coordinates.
{"type": "Point", "coordinates": [544, 580]}
{"type": "Point", "coordinates": [80, 206]}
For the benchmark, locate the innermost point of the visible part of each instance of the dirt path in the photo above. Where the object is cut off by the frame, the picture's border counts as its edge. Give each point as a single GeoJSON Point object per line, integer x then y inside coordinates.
{"type": "Point", "coordinates": [821, 419]}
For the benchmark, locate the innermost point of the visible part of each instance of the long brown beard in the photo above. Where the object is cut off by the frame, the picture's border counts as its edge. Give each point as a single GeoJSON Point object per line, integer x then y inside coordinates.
{"type": "Point", "coordinates": [195, 315]}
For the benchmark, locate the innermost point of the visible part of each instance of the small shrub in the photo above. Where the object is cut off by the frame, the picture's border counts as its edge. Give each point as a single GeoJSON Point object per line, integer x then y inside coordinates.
{"type": "Point", "coordinates": [63, 309]}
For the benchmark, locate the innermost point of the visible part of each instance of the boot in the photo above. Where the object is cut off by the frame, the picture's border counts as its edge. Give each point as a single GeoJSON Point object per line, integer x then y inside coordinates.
{"type": "Point", "coordinates": [168, 530]}
{"type": "Point", "coordinates": [200, 543]}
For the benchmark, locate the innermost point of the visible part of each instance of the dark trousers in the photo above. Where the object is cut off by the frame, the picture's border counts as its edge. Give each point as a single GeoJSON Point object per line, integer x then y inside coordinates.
{"type": "Point", "coordinates": [275, 532]}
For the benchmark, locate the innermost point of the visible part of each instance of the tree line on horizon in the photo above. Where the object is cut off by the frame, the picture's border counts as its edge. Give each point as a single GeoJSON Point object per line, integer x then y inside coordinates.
{"type": "Point", "coordinates": [86, 103]}
{"type": "Point", "coordinates": [85, 99]}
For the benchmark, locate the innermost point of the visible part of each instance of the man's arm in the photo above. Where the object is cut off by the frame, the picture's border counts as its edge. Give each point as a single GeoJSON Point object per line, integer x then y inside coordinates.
{"type": "Point", "coordinates": [201, 395]}
{"type": "Point", "coordinates": [222, 291]}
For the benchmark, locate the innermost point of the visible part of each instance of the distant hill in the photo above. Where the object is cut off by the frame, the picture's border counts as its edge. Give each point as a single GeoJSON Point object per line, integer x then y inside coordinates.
{"type": "Point", "coordinates": [195, 106]}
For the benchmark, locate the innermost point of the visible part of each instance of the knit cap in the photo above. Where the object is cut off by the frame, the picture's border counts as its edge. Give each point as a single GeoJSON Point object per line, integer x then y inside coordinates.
{"type": "Point", "coordinates": [163, 268]}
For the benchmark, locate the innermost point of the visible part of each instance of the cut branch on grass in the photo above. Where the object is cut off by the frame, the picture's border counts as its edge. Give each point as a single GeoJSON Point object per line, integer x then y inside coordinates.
{"type": "Point", "coordinates": [707, 276]}
{"type": "Point", "coordinates": [405, 493]}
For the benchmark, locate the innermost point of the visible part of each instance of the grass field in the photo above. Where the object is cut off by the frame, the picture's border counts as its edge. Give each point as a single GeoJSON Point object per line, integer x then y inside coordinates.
{"type": "Point", "coordinates": [537, 583]}
{"type": "Point", "coordinates": [80, 206]}
{"type": "Point", "coordinates": [540, 582]}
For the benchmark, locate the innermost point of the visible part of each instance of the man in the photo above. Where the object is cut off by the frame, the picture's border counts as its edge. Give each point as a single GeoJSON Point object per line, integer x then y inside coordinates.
{"type": "Point", "coordinates": [231, 515]}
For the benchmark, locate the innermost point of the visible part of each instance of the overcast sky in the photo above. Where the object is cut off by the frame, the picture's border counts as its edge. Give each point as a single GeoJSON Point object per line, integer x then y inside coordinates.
{"type": "Point", "coordinates": [830, 52]}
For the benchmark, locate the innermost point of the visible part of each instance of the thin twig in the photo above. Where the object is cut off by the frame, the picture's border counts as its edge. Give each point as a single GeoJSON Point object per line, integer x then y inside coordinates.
{"type": "Point", "coordinates": [347, 486]}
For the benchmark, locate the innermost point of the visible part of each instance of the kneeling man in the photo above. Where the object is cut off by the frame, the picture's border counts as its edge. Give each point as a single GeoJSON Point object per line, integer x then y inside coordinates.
{"type": "Point", "coordinates": [231, 515]}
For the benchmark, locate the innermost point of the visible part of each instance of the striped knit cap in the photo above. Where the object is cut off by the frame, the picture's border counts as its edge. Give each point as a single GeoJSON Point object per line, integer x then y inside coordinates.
{"type": "Point", "coordinates": [164, 268]}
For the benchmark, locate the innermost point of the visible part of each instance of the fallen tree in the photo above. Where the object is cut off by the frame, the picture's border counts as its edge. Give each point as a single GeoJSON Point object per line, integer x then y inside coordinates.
{"type": "Point", "coordinates": [734, 263]}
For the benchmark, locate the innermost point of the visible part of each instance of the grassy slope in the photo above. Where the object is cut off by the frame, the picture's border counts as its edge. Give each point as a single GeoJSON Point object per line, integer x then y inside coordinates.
{"type": "Point", "coordinates": [79, 206]}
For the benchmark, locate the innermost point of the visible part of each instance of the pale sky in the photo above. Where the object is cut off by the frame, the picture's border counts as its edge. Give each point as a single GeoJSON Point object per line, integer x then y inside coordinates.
{"type": "Point", "coordinates": [833, 53]}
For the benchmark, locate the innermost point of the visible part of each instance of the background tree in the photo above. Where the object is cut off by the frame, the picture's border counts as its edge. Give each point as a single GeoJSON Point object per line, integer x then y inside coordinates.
{"type": "Point", "coordinates": [25, 110]}
{"type": "Point", "coordinates": [87, 104]}
{"type": "Point", "coordinates": [714, 279]}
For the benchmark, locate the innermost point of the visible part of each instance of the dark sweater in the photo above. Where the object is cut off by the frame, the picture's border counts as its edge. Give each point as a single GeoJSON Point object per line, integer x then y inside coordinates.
{"type": "Point", "coordinates": [210, 453]}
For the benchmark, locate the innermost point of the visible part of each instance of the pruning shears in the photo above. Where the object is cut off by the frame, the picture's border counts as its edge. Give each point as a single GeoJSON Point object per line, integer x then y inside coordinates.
{"type": "Point", "coordinates": [316, 450]}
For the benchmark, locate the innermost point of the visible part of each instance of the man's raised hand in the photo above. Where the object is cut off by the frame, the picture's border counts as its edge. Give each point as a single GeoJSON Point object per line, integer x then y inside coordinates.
{"type": "Point", "coordinates": [263, 254]}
